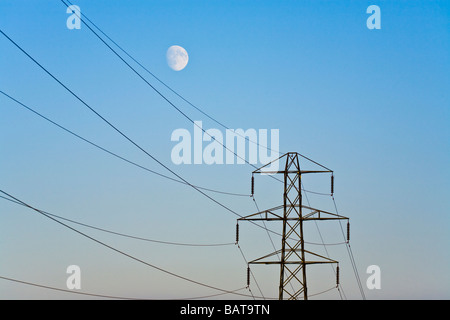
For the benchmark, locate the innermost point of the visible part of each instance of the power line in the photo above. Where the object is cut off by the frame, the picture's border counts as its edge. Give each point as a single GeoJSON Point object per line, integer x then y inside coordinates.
{"type": "Point", "coordinates": [321, 292]}
{"type": "Point", "coordinates": [167, 100]}
{"type": "Point", "coordinates": [109, 123]}
{"type": "Point", "coordinates": [65, 290]}
{"type": "Point", "coordinates": [246, 262]}
{"type": "Point", "coordinates": [119, 251]}
{"type": "Point", "coordinates": [127, 235]}
{"type": "Point", "coordinates": [134, 143]}
{"type": "Point", "coordinates": [125, 159]}
{"type": "Point", "coordinates": [211, 295]}
{"type": "Point", "coordinates": [317, 193]}
{"type": "Point", "coordinates": [159, 92]}
{"type": "Point", "coordinates": [264, 223]}
{"type": "Point", "coordinates": [129, 138]}
{"type": "Point", "coordinates": [169, 88]}
{"type": "Point", "coordinates": [149, 72]}
{"type": "Point", "coordinates": [120, 132]}
{"type": "Point", "coordinates": [102, 295]}
{"type": "Point", "coordinates": [352, 259]}
{"type": "Point", "coordinates": [144, 239]}
{"type": "Point", "coordinates": [114, 154]}
{"type": "Point", "coordinates": [235, 292]}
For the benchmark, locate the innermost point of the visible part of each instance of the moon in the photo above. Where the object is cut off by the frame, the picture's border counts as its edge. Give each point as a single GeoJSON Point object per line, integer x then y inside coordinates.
{"type": "Point", "coordinates": [177, 58]}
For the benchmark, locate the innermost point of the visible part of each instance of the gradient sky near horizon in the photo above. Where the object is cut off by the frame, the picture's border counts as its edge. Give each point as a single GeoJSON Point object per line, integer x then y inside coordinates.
{"type": "Point", "coordinates": [372, 105]}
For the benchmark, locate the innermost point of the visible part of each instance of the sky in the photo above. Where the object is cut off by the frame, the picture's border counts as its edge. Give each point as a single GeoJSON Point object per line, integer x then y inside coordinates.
{"type": "Point", "coordinates": [372, 105]}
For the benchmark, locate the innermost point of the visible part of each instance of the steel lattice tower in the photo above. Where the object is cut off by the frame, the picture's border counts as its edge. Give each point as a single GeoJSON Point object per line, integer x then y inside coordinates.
{"type": "Point", "coordinates": [292, 257]}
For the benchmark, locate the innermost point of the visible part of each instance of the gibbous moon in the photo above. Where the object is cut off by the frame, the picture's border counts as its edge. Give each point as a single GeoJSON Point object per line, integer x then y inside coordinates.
{"type": "Point", "coordinates": [177, 58]}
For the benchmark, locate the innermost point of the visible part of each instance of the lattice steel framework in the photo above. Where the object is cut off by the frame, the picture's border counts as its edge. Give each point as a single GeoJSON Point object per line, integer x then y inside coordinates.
{"type": "Point", "coordinates": [292, 257]}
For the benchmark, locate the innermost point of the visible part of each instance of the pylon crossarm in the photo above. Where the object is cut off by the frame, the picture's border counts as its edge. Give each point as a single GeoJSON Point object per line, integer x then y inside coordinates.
{"type": "Point", "coordinates": [258, 261]}
{"type": "Point", "coordinates": [315, 171]}
{"type": "Point", "coordinates": [276, 253]}
{"type": "Point", "coordinates": [259, 169]}
{"type": "Point", "coordinates": [268, 172]}
{"type": "Point", "coordinates": [266, 215]}
{"type": "Point", "coordinates": [294, 262]}
{"type": "Point", "coordinates": [306, 216]}
{"type": "Point", "coordinates": [292, 171]}
{"type": "Point", "coordinates": [328, 215]}
{"type": "Point", "coordinates": [270, 215]}
{"type": "Point", "coordinates": [328, 260]}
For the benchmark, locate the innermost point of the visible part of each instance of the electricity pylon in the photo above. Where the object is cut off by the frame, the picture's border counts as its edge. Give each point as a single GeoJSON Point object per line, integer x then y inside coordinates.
{"type": "Point", "coordinates": [293, 257]}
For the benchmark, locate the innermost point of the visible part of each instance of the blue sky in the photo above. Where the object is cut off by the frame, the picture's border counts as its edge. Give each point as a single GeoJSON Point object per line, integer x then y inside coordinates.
{"type": "Point", "coordinates": [372, 105]}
